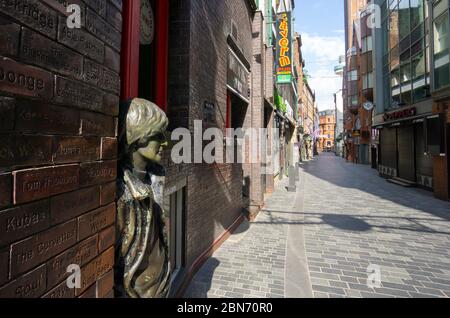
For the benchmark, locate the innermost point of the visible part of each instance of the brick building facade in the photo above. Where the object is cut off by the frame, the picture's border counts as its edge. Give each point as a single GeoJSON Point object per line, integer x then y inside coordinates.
{"type": "Point", "coordinates": [59, 98]}
{"type": "Point", "coordinates": [60, 93]}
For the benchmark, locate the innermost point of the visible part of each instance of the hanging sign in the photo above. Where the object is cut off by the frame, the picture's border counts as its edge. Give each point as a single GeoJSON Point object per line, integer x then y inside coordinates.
{"type": "Point", "coordinates": [238, 77]}
{"type": "Point", "coordinates": [147, 23]}
{"type": "Point", "coordinates": [283, 63]}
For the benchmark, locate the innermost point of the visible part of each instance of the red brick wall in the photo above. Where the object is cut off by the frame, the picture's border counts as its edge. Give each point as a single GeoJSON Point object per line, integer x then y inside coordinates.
{"type": "Point", "coordinates": [59, 98]}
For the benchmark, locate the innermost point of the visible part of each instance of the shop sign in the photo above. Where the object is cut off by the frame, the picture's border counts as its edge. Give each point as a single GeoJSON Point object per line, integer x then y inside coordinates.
{"type": "Point", "coordinates": [400, 114]}
{"type": "Point", "coordinates": [238, 77]}
{"type": "Point", "coordinates": [356, 133]}
{"type": "Point", "coordinates": [284, 49]}
{"type": "Point", "coordinates": [147, 23]}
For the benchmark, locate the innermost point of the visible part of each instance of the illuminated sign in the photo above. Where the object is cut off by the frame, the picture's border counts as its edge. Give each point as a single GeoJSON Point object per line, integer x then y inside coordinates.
{"type": "Point", "coordinates": [284, 49]}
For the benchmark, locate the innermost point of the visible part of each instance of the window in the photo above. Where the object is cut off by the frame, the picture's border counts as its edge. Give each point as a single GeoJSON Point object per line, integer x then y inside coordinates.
{"type": "Point", "coordinates": [404, 18]}
{"type": "Point", "coordinates": [441, 47]}
{"type": "Point", "coordinates": [417, 13]}
{"type": "Point", "coordinates": [353, 75]}
{"type": "Point", "coordinates": [367, 44]}
{"type": "Point", "coordinates": [368, 81]}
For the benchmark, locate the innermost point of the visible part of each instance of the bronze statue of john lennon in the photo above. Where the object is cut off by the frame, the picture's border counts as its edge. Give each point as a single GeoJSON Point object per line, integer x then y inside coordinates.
{"type": "Point", "coordinates": [142, 258]}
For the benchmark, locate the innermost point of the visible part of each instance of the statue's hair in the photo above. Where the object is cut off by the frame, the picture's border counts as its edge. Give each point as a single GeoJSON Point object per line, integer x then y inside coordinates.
{"type": "Point", "coordinates": [144, 120]}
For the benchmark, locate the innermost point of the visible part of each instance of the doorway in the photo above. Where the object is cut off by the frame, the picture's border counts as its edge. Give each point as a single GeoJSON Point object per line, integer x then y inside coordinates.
{"type": "Point", "coordinates": [176, 231]}
{"type": "Point", "coordinates": [406, 153]}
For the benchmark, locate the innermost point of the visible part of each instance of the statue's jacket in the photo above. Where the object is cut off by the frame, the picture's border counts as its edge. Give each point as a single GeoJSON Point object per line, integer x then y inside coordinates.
{"type": "Point", "coordinates": [142, 261]}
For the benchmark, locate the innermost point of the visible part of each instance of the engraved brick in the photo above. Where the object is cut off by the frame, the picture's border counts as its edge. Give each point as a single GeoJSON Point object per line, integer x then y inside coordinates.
{"type": "Point", "coordinates": [78, 94]}
{"type": "Point", "coordinates": [95, 269]}
{"type": "Point", "coordinates": [102, 30]}
{"type": "Point", "coordinates": [112, 59]}
{"type": "Point", "coordinates": [32, 13]}
{"type": "Point", "coordinates": [80, 254]}
{"type": "Point", "coordinates": [99, 6]}
{"type": "Point", "coordinates": [35, 184]}
{"type": "Point", "coordinates": [76, 149]}
{"type": "Point", "coordinates": [24, 80]}
{"type": "Point", "coordinates": [95, 221]}
{"type": "Point", "coordinates": [81, 41]}
{"type": "Point", "coordinates": [7, 109]}
{"type": "Point", "coordinates": [61, 7]}
{"type": "Point", "coordinates": [105, 284]}
{"type": "Point", "coordinates": [30, 285]}
{"type": "Point", "coordinates": [9, 37]}
{"type": "Point", "coordinates": [111, 104]}
{"type": "Point", "coordinates": [67, 206]}
{"type": "Point", "coordinates": [41, 247]}
{"type": "Point", "coordinates": [106, 238]}
{"type": "Point", "coordinates": [114, 16]}
{"type": "Point", "coordinates": [100, 76]}
{"type": "Point", "coordinates": [20, 222]}
{"type": "Point", "coordinates": [62, 291]}
{"type": "Point", "coordinates": [6, 190]}
{"type": "Point", "coordinates": [97, 125]}
{"type": "Point", "coordinates": [33, 117]}
{"type": "Point", "coordinates": [17, 151]}
{"type": "Point", "coordinates": [39, 50]}
{"type": "Point", "coordinates": [97, 173]}
{"type": "Point", "coordinates": [108, 193]}
{"type": "Point", "coordinates": [109, 148]}
{"type": "Point", "coordinates": [4, 260]}
{"type": "Point", "coordinates": [90, 293]}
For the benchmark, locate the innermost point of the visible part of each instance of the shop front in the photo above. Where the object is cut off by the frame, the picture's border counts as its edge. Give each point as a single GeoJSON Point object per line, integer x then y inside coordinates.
{"type": "Point", "coordinates": [406, 147]}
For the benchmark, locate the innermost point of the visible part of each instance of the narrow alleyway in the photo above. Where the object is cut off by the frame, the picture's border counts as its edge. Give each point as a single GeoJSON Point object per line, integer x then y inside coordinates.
{"type": "Point", "coordinates": [320, 241]}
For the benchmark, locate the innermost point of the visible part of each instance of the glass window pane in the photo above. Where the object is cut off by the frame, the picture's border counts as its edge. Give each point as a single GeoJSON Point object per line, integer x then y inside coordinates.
{"type": "Point", "coordinates": [404, 16]}
{"type": "Point", "coordinates": [417, 12]}
{"type": "Point", "coordinates": [418, 65]}
{"type": "Point", "coordinates": [441, 34]}
{"type": "Point", "coordinates": [393, 29]}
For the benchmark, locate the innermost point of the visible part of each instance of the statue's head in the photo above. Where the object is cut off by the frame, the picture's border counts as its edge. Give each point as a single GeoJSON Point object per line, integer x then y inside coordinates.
{"type": "Point", "coordinates": [146, 126]}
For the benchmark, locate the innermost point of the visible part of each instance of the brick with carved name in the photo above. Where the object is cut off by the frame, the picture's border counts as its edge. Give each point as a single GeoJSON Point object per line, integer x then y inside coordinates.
{"type": "Point", "coordinates": [30, 285]}
{"type": "Point", "coordinates": [78, 94]}
{"type": "Point", "coordinates": [80, 255]}
{"type": "Point", "coordinates": [97, 172]}
{"type": "Point", "coordinates": [35, 184]}
{"type": "Point", "coordinates": [34, 14]}
{"type": "Point", "coordinates": [93, 124]}
{"type": "Point", "coordinates": [24, 80]}
{"type": "Point", "coordinates": [22, 221]}
{"type": "Point", "coordinates": [81, 41]}
{"type": "Point", "coordinates": [38, 50]}
{"type": "Point", "coordinates": [34, 117]}
{"type": "Point", "coordinates": [95, 221]}
{"type": "Point", "coordinates": [17, 151]}
{"type": "Point", "coordinates": [41, 247]}
{"type": "Point", "coordinates": [75, 149]}
{"type": "Point", "coordinates": [95, 269]}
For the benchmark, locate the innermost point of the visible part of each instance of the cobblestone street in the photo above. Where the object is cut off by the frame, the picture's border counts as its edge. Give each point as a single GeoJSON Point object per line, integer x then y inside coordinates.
{"type": "Point", "coordinates": [320, 241]}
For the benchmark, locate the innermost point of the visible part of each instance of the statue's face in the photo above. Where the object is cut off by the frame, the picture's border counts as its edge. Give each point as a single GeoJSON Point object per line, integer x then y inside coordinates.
{"type": "Point", "coordinates": [152, 148]}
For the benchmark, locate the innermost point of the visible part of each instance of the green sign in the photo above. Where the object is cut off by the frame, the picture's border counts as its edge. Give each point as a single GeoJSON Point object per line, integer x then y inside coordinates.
{"type": "Point", "coordinates": [284, 79]}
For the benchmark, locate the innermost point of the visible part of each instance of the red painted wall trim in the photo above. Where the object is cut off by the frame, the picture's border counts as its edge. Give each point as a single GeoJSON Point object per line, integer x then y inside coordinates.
{"type": "Point", "coordinates": [198, 263]}
{"type": "Point", "coordinates": [130, 49]}
{"type": "Point", "coordinates": [162, 48]}
{"type": "Point", "coordinates": [228, 123]}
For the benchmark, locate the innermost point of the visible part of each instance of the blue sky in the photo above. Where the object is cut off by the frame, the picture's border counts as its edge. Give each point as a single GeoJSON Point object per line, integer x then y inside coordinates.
{"type": "Point", "coordinates": [321, 24]}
